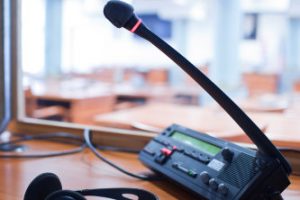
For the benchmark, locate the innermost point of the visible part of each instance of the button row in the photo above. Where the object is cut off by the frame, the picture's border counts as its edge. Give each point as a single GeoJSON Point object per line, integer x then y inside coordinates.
{"type": "Point", "coordinates": [197, 156]}
{"type": "Point", "coordinates": [213, 184]}
{"type": "Point", "coordinates": [200, 157]}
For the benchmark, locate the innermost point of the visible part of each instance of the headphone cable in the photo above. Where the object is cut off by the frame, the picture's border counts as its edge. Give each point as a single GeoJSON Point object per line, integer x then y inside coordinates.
{"type": "Point", "coordinates": [87, 138]}
{"type": "Point", "coordinates": [55, 137]}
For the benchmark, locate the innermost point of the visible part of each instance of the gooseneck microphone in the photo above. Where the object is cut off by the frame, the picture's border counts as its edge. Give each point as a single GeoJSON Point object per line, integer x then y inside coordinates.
{"type": "Point", "coordinates": [118, 13]}
{"type": "Point", "coordinates": [122, 14]}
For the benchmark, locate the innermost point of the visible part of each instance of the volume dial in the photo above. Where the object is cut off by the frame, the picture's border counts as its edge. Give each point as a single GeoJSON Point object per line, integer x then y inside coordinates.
{"type": "Point", "coordinates": [223, 189]}
{"type": "Point", "coordinates": [227, 154]}
{"type": "Point", "coordinates": [204, 176]}
{"type": "Point", "coordinates": [213, 184]}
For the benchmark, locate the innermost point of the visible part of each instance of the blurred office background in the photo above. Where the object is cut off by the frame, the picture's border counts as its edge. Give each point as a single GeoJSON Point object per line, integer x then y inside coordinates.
{"type": "Point", "coordinates": [71, 53]}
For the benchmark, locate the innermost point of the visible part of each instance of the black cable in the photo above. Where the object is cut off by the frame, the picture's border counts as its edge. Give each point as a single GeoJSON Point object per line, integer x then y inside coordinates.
{"type": "Point", "coordinates": [64, 138]}
{"type": "Point", "coordinates": [118, 149]}
{"type": "Point", "coordinates": [59, 137]}
{"type": "Point", "coordinates": [75, 140]}
{"type": "Point", "coordinates": [87, 138]}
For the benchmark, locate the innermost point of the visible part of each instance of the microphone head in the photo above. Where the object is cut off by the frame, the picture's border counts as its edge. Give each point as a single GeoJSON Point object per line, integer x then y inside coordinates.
{"type": "Point", "coordinates": [118, 12]}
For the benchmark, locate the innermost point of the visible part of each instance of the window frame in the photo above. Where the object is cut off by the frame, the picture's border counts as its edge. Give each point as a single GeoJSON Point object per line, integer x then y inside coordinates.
{"type": "Point", "coordinates": [5, 59]}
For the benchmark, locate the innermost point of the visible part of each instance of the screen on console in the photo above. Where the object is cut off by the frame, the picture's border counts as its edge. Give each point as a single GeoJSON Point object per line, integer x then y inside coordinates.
{"type": "Point", "coordinates": [196, 143]}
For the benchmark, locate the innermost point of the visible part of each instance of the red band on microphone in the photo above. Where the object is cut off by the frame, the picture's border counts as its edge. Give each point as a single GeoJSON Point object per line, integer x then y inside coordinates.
{"type": "Point", "coordinates": [136, 26]}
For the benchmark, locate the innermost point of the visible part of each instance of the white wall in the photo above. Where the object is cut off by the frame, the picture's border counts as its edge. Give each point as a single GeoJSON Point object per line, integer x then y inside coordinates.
{"type": "Point", "coordinates": [32, 36]}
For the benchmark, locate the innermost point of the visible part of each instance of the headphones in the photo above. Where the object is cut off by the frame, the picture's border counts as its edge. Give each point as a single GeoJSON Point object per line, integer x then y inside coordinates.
{"type": "Point", "coordinates": [47, 186]}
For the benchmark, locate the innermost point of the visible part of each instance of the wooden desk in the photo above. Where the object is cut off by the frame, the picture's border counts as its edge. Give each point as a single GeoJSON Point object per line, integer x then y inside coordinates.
{"type": "Point", "coordinates": [83, 170]}
{"type": "Point", "coordinates": [84, 99]}
{"type": "Point", "coordinates": [161, 93]}
{"type": "Point", "coordinates": [280, 127]}
{"type": "Point", "coordinates": [82, 105]}
{"type": "Point", "coordinates": [160, 115]}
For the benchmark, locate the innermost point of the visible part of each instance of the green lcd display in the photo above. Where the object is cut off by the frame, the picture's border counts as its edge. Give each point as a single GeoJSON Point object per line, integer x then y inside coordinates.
{"type": "Point", "coordinates": [196, 143]}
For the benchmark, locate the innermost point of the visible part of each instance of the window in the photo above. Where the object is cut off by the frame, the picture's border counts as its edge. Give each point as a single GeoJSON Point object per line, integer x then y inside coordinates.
{"type": "Point", "coordinates": [76, 70]}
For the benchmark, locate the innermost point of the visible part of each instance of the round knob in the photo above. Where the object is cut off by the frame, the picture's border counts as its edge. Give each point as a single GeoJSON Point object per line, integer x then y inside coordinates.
{"type": "Point", "coordinates": [213, 184]}
{"type": "Point", "coordinates": [204, 176]}
{"type": "Point", "coordinates": [227, 154]}
{"type": "Point", "coordinates": [222, 189]}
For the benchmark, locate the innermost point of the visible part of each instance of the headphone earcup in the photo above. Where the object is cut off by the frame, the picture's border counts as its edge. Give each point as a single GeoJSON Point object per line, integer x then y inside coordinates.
{"type": "Point", "coordinates": [42, 186]}
{"type": "Point", "coordinates": [65, 195]}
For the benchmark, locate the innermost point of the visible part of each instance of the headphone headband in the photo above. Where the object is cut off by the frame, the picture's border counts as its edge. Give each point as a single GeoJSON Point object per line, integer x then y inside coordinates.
{"type": "Point", "coordinates": [119, 193]}
{"type": "Point", "coordinates": [47, 186]}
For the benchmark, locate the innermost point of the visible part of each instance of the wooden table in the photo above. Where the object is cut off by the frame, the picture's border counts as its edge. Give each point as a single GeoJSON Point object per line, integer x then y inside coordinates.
{"type": "Point", "coordinates": [83, 170]}
{"type": "Point", "coordinates": [84, 99]}
{"type": "Point", "coordinates": [82, 104]}
{"type": "Point", "coordinates": [162, 93]}
{"type": "Point", "coordinates": [161, 115]}
{"type": "Point", "coordinates": [282, 128]}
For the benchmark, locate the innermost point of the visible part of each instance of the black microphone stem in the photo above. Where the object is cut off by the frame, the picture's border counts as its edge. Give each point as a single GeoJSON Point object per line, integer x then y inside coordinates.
{"type": "Point", "coordinates": [248, 126]}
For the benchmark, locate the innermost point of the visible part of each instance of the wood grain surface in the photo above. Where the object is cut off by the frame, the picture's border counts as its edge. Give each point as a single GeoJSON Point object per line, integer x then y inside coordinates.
{"type": "Point", "coordinates": [83, 170]}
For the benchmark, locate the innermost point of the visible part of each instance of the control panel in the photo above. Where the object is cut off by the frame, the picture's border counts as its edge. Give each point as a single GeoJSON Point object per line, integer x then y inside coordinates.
{"type": "Point", "coordinates": [212, 168]}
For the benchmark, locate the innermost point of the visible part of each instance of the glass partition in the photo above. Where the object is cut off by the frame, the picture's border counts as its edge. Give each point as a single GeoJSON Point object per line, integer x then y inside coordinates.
{"type": "Point", "coordinates": [78, 68]}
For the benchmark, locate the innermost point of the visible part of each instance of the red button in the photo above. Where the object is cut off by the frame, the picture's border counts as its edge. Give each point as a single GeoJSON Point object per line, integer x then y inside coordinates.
{"type": "Point", "coordinates": [166, 151]}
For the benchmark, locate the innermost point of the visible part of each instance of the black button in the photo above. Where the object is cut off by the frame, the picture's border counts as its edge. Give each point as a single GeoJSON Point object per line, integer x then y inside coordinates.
{"type": "Point", "coordinates": [213, 184]}
{"type": "Point", "coordinates": [204, 176]}
{"type": "Point", "coordinates": [149, 151]}
{"type": "Point", "coordinates": [175, 165]}
{"type": "Point", "coordinates": [194, 155]}
{"type": "Point", "coordinates": [179, 149]}
{"type": "Point", "coordinates": [188, 153]}
{"type": "Point", "coordinates": [161, 158]}
{"type": "Point", "coordinates": [203, 158]}
{"type": "Point", "coordinates": [223, 189]}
